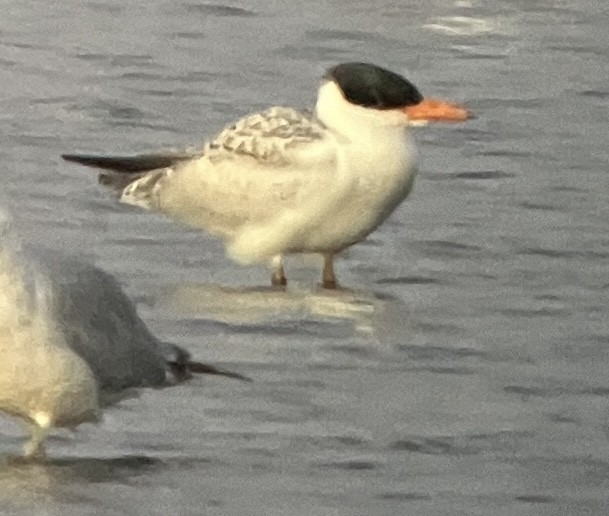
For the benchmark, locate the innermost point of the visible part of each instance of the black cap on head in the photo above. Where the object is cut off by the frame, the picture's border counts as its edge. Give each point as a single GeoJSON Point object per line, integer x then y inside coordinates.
{"type": "Point", "coordinates": [371, 86]}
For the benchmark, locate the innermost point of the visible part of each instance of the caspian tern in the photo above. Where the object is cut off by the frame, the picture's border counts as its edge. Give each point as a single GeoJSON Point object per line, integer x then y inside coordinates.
{"type": "Point", "coordinates": [290, 181]}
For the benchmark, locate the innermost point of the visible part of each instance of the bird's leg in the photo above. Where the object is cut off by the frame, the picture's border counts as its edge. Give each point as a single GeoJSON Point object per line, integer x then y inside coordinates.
{"type": "Point", "coordinates": [328, 277]}
{"type": "Point", "coordinates": [39, 429]}
{"type": "Point", "coordinates": [278, 278]}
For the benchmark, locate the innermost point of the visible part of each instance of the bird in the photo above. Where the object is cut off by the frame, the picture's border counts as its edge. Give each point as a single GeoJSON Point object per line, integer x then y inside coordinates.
{"type": "Point", "coordinates": [286, 180]}
{"type": "Point", "coordinates": [71, 342]}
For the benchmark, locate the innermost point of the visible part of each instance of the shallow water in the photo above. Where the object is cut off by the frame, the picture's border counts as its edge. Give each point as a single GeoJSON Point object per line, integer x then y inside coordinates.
{"type": "Point", "coordinates": [464, 369]}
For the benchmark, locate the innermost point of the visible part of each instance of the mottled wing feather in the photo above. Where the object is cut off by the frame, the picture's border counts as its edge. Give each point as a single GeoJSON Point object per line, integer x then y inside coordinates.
{"type": "Point", "coordinates": [262, 164]}
{"type": "Point", "coordinates": [267, 137]}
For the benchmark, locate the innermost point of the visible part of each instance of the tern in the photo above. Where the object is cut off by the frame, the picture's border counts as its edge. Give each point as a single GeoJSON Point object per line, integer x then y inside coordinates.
{"type": "Point", "coordinates": [285, 180]}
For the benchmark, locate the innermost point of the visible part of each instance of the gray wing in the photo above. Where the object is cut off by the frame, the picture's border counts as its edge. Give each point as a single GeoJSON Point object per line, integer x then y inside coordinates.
{"type": "Point", "coordinates": [266, 137]}
{"type": "Point", "coordinates": [100, 323]}
{"type": "Point", "coordinates": [102, 326]}
{"type": "Point", "coordinates": [251, 172]}
{"type": "Point", "coordinates": [261, 173]}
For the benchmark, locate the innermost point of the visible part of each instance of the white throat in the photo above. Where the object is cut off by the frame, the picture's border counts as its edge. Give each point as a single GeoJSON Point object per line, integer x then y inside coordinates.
{"type": "Point", "coordinates": [353, 121]}
{"type": "Point", "coordinates": [370, 139]}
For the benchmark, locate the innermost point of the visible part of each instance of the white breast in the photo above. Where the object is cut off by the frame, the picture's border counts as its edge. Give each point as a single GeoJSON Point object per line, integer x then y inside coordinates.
{"type": "Point", "coordinates": [40, 377]}
{"type": "Point", "coordinates": [375, 172]}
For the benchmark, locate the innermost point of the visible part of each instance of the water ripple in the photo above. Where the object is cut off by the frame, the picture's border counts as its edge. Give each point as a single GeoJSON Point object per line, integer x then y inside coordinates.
{"type": "Point", "coordinates": [350, 465]}
{"type": "Point", "coordinates": [483, 175]}
{"type": "Point", "coordinates": [325, 34]}
{"type": "Point", "coordinates": [535, 498]}
{"type": "Point", "coordinates": [503, 442]}
{"type": "Point", "coordinates": [409, 280]}
{"type": "Point", "coordinates": [440, 353]}
{"type": "Point", "coordinates": [403, 496]}
{"type": "Point", "coordinates": [219, 10]}
{"type": "Point", "coordinates": [446, 248]}
{"type": "Point", "coordinates": [538, 206]}
{"type": "Point", "coordinates": [562, 253]}
{"type": "Point", "coordinates": [556, 389]}
{"type": "Point", "coordinates": [596, 94]}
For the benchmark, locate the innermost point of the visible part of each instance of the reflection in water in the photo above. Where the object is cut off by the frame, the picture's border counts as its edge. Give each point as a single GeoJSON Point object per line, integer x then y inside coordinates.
{"type": "Point", "coordinates": [63, 485]}
{"type": "Point", "coordinates": [368, 311]}
{"type": "Point", "coordinates": [29, 484]}
{"type": "Point", "coordinates": [466, 25]}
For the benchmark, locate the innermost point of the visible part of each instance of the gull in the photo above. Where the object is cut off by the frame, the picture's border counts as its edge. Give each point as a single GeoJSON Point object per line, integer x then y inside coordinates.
{"type": "Point", "coordinates": [287, 181]}
{"type": "Point", "coordinates": [72, 343]}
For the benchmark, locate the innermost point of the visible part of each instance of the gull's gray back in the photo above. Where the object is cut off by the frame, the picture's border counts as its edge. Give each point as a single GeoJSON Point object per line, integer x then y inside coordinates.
{"type": "Point", "coordinates": [100, 323]}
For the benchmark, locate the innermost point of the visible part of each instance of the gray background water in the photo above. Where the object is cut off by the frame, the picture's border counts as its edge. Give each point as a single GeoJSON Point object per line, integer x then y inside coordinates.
{"type": "Point", "coordinates": [465, 372]}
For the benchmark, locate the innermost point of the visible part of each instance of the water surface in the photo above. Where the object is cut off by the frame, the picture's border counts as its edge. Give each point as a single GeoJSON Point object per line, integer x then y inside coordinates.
{"type": "Point", "coordinates": [463, 371]}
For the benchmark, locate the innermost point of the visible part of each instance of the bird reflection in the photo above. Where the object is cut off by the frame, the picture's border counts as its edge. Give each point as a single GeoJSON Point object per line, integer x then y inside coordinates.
{"type": "Point", "coordinates": [367, 311]}
{"type": "Point", "coordinates": [35, 485]}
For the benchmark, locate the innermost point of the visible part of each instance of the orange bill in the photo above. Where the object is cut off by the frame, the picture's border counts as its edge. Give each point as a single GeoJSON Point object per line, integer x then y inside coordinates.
{"type": "Point", "coordinates": [435, 110]}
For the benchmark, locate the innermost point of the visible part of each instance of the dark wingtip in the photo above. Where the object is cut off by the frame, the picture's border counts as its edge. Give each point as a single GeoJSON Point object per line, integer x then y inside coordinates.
{"type": "Point", "coordinates": [128, 164]}
{"type": "Point", "coordinates": [75, 158]}
{"type": "Point", "coordinates": [90, 160]}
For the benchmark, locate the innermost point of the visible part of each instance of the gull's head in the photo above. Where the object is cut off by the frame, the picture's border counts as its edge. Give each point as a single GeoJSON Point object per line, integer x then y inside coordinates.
{"type": "Point", "coordinates": [363, 92]}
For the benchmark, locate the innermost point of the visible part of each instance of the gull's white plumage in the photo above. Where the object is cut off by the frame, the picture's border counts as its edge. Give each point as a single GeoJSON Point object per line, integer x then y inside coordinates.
{"type": "Point", "coordinates": [41, 379]}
